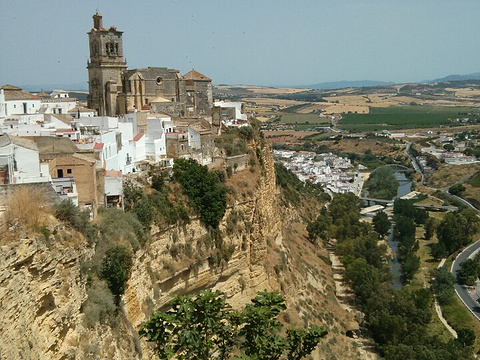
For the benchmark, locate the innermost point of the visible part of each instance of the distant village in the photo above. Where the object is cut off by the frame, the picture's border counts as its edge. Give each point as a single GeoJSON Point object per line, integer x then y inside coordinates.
{"type": "Point", "coordinates": [133, 120]}
{"type": "Point", "coordinates": [336, 174]}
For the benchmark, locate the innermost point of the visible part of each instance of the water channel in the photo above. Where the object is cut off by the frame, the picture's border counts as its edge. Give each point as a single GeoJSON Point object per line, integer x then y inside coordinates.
{"type": "Point", "coordinates": [404, 187]}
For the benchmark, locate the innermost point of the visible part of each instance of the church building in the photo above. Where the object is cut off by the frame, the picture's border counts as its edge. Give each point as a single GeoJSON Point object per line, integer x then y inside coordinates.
{"type": "Point", "coordinates": [114, 90]}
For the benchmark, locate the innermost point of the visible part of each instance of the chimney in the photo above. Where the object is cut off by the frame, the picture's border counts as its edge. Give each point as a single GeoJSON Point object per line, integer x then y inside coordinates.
{"type": "Point", "coordinates": [97, 21]}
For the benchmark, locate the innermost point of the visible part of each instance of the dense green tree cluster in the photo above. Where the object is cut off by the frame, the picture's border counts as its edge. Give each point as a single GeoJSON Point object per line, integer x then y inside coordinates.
{"type": "Point", "coordinates": [457, 189]}
{"type": "Point", "coordinates": [381, 223]}
{"type": "Point", "coordinates": [205, 327]}
{"type": "Point", "coordinates": [382, 184]}
{"type": "Point", "coordinates": [398, 320]}
{"type": "Point", "coordinates": [442, 285]}
{"type": "Point", "coordinates": [205, 191]}
{"type": "Point", "coordinates": [407, 216]}
{"type": "Point", "coordinates": [457, 228]}
{"type": "Point", "coordinates": [469, 271]}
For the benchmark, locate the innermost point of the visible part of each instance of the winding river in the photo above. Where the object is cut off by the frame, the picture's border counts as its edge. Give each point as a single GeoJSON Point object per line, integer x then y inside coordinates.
{"type": "Point", "coordinates": [404, 187]}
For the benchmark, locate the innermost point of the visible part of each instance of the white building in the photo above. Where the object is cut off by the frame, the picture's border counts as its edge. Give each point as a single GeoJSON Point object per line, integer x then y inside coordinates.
{"type": "Point", "coordinates": [156, 141]}
{"type": "Point", "coordinates": [232, 113]}
{"type": "Point", "coordinates": [20, 158]}
{"type": "Point", "coordinates": [14, 101]}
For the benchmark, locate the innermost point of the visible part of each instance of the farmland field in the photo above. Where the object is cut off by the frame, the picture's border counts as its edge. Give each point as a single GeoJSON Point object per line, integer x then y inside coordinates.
{"type": "Point", "coordinates": [403, 117]}
{"type": "Point", "coordinates": [311, 119]}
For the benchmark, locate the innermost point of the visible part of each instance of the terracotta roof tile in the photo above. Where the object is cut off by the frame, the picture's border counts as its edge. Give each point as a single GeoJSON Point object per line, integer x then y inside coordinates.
{"type": "Point", "coordinates": [195, 75]}
{"type": "Point", "coordinates": [137, 137]}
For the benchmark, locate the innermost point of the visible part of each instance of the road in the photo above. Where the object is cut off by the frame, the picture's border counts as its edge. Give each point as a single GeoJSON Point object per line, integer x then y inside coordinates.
{"type": "Point", "coordinates": [468, 296]}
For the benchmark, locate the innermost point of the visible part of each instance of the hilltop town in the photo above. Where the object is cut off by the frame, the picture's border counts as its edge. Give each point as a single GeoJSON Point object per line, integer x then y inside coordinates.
{"type": "Point", "coordinates": [134, 120]}
{"type": "Point", "coordinates": [158, 184]}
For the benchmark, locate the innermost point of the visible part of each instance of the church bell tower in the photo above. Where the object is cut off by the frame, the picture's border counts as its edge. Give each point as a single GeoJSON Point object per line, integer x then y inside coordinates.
{"type": "Point", "coordinates": [105, 67]}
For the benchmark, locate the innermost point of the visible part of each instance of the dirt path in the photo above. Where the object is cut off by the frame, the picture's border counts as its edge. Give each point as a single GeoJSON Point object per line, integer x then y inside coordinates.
{"type": "Point", "coordinates": [345, 298]}
{"type": "Point", "coordinates": [439, 310]}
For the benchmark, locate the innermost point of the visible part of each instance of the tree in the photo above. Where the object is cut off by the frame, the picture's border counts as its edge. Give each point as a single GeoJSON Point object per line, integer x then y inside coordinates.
{"type": "Point", "coordinates": [429, 228]}
{"type": "Point", "coordinates": [204, 189]}
{"type": "Point", "coordinates": [204, 326]}
{"type": "Point", "coordinates": [382, 183]}
{"type": "Point", "coordinates": [457, 189]}
{"type": "Point", "coordinates": [457, 228]}
{"type": "Point", "coordinates": [448, 147]}
{"type": "Point", "coordinates": [466, 337]}
{"type": "Point", "coordinates": [439, 250]}
{"type": "Point", "coordinates": [468, 272]}
{"type": "Point", "coordinates": [320, 228]}
{"type": "Point", "coordinates": [116, 267]}
{"type": "Point", "coordinates": [442, 285]}
{"type": "Point", "coordinates": [381, 224]}
{"type": "Point", "coordinates": [409, 266]}
{"type": "Point", "coordinates": [196, 327]}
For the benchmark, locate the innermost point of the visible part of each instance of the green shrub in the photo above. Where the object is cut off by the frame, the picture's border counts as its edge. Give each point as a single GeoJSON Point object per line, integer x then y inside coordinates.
{"type": "Point", "coordinates": [100, 306]}
{"type": "Point", "coordinates": [68, 212]}
{"type": "Point", "coordinates": [204, 190]}
{"type": "Point", "coordinates": [116, 268]}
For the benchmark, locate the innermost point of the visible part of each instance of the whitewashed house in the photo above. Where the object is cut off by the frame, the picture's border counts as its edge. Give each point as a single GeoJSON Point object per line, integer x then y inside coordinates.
{"type": "Point", "coordinates": [156, 141]}
{"type": "Point", "coordinates": [20, 158]}
{"type": "Point", "coordinates": [232, 113]}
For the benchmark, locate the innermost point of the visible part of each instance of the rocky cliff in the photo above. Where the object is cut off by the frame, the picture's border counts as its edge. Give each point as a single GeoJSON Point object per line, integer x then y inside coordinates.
{"type": "Point", "coordinates": [43, 291]}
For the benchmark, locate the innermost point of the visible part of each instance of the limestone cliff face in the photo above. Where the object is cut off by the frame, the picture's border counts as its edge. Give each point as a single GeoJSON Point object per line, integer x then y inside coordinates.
{"type": "Point", "coordinates": [42, 289]}
{"type": "Point", "coordinates": [41, 295]}
{"type": "Point", "coordinates": [156, 276]}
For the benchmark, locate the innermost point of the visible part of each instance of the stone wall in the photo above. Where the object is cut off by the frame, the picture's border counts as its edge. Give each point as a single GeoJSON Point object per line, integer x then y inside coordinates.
{"type": "Point", "coordinates": [237, 163]}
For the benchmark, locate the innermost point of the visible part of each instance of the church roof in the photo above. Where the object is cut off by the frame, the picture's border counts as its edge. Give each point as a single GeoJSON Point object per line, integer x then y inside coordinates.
{"type": "Point", "coordinates": [159, 99]}
{"type": "Point", "coordinates": [9, 87]}
{"type": "Point", "coordinates": [79, 108]}
{"type": "Point", "coordinates": [196, 76]}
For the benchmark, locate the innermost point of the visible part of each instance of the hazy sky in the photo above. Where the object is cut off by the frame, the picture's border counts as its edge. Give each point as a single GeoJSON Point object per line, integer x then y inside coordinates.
{"type": "Point", "coordinates": [262, 42]}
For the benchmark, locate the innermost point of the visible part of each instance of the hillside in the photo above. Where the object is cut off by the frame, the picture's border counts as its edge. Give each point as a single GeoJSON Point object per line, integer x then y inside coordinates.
{"type": "Point", "coordinates": [56, 305]}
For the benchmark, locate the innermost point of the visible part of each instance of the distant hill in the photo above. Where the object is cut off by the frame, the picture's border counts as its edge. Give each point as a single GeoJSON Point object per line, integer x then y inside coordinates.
{"type": "Point", "coordinates": [345, 84]}
{"type": "Point", "coordinates": [49, 87]}
{"type": "Point", "coordinates": [472, 76]}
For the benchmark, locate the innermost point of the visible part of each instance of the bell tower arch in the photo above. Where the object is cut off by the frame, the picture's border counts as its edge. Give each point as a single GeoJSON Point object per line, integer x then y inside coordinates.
{"type": "Point", "coordinates": [105, 67]}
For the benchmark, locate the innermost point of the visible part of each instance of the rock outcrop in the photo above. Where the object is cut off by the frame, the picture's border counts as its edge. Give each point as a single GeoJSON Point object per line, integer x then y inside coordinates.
{"type": "Point", "coordinates": [43, 291]}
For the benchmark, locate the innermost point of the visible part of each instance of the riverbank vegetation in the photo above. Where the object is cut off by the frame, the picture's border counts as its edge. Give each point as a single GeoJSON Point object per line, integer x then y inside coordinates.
{"type": "Point", "coordinates": [382, 184]}
{"type": "Point", "coordinates": [398, 320]}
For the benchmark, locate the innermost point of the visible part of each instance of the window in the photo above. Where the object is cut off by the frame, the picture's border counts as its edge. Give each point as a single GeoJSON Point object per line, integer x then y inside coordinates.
{"type": "Point", "coordinates": [69, 171]}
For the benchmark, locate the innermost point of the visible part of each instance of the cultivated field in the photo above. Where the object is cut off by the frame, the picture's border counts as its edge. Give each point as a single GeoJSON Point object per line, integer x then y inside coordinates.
{"type": "Point", "coordinates": [403, 117]}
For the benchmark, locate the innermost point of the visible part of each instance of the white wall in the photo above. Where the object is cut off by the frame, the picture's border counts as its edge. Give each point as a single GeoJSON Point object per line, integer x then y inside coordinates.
{"type": "Point", "coordinates": [27, 166]}
{"type": "Point", "coordinates": [58, 106]}
{"type": "Point", "coordinates": [110, 151]}
{"type": "Point", "coordinates": [194, 139]}
{"type": "Point", "coordinates": [16, 107]}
